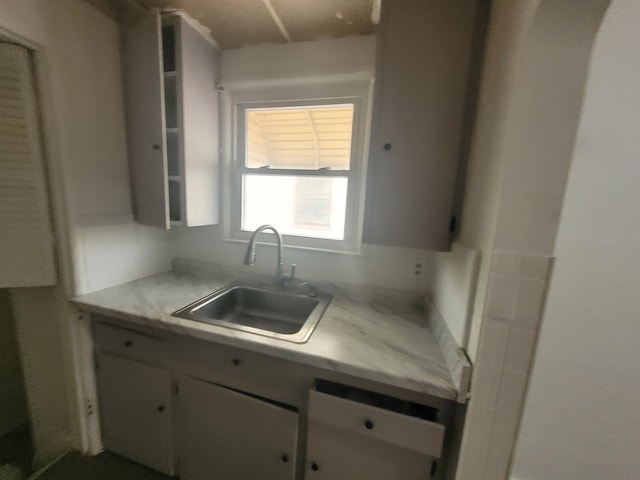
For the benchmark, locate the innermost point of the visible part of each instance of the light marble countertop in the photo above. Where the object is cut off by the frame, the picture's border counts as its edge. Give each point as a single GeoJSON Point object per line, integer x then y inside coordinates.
{"type": "Point", "coordinates": [371, 333]}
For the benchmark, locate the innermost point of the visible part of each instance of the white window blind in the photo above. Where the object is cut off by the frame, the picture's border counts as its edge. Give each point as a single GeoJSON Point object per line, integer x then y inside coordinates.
{"type": "Point", "coordinates": [26, 239]}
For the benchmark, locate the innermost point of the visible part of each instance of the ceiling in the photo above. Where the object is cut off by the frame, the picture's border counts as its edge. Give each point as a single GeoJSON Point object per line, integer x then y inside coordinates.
{"type": "Point", "coordinates": [241, 23]}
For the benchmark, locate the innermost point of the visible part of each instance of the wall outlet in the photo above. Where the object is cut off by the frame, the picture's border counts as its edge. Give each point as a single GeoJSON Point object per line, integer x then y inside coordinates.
{"type": "Point", "coordinates": [418, 268]}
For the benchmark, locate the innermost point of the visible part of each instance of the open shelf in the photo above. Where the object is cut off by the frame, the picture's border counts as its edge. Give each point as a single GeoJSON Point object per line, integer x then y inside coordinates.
{"type": "Point", "coordinates": [173, 149]}
{"type": "Point", "coordinates": [175, 205]}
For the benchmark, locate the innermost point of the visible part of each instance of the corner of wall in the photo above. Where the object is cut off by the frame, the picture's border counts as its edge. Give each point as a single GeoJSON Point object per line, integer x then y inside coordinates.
{"type": "Point", "coordinates": [453, 288]}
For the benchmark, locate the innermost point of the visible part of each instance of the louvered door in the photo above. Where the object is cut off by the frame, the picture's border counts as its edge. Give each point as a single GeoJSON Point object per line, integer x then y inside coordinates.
{"type": "Point", "coordinates": [26, 239]}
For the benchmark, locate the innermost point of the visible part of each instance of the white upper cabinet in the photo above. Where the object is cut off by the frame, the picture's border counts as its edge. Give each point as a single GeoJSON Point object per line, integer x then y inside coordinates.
{"type": "Point", "coordinates": [171, 72]}
{"type": "Point", "coordinates": [424, 52]}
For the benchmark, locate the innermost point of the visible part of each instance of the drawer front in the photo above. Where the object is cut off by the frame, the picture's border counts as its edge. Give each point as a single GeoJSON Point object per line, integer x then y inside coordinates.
{"type": "Point", "coordinates": [132, 343]}
{"type": "Point", "coordinates": [334, 454]}
{"type": "Point", "coordinates": [393, 428]}
{"type": "Point", "coordinates": [239, 369]}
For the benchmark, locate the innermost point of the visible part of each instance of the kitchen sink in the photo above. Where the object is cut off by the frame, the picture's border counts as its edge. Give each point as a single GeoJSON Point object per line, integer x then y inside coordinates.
{"type": "Point", "coordinates": [263, 310]}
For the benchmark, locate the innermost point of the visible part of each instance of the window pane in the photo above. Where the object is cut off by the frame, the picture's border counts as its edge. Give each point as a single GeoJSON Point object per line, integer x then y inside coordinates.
{"type": "Point", "coordinates": [299, 137]}
{"type": "Point", "coordinates": [295, 205]}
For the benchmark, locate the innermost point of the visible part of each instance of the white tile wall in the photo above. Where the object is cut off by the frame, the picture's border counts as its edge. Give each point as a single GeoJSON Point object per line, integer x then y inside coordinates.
{"type": "Point", "coordinates": [502, 296]}
{"type": "Point", "coordinates": [504, 431]}
{"type": "Point", "coordinates": [498, 460]}
{"type": "Point", "coordinates": [495, 335]}
{"type": "Point", "coordinates": [515, 300]}
{"type": "Point", "coordinates": [511, 392]}
{"type": "Point", "coordinates": [528, 302]}
{"type": "Point", "coordinates": [485, 386]}
{"type": "Point", "coordinates": [473, 460]}
{"type": "Point", "coordinates": [519, 350]}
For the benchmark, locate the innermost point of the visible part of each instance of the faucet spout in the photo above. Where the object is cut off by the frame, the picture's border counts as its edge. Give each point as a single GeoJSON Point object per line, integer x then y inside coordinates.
{"type": "Point", "coordinates": [250, 254]}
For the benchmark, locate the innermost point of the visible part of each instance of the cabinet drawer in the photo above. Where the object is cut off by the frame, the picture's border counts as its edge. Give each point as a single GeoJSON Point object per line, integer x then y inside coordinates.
{"type": "Point", "coordinates": [129, 342]}
{"type": "Point", "coordinates": [351, 411]}
{"type": "Point", "coordinates": [242, 370]}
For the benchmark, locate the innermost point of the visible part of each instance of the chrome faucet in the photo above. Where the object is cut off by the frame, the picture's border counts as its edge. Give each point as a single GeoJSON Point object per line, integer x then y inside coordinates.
{"type": "Point", "coordinates": [250, 254]}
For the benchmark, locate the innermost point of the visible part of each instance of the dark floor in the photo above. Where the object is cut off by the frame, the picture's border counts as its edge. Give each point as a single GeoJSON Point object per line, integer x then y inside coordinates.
{"type": "Point", "coordinates": [106, 466]}
{"type": "Point", "coordinates": [16, 448]}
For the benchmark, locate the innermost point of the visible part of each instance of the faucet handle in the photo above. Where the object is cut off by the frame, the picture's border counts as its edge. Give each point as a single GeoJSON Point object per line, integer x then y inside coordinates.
{"type": "Point", "coordinates": [289, 277]}
{"type": "Point", "coordinates": [312, 289]}
{"type": "Point", "coordinates": [250, 255]}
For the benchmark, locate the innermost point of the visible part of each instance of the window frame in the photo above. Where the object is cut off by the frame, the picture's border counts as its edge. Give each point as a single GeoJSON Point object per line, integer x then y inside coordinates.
{"type": "Point", "coordinates": [356, 91]}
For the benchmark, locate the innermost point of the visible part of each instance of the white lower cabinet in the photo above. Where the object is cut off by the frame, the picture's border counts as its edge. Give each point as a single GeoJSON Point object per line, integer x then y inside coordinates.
{"type": "Point", "coordinates": [225, 434]}
{"type": "Point", "coordinates": [351, 440]}
{"type": "Point", "coordinates": [136, 408]}
{"type": "Point", "coordinates": [199, 410]}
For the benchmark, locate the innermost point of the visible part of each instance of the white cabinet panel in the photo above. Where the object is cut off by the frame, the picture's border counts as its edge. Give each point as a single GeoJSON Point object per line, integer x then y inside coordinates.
{"type": "Point", "coordinates": [136, 409]}
{"type": "Point", "coordinates": [172, 119]}
{"type": "Point", "coordinates": [333, 454]}
{"type": "Point", "coordinates": [349, 440]}
{"type": "Point", "coordinates": [145, 120]}
{"type": "Point", "coordinates": [404, 431]}
{"type": "Point", "coordinates": [424, 51]}
{"type": "Point", "coordinates": [198, 67]}
{"type": "Point", "coordinates": [229, 435]}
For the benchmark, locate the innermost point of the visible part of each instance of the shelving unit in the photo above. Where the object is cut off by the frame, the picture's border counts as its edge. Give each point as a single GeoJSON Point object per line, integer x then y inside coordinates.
{"type": "Point", "coordinates": [171, 120]}
{"type": "Point", "coordinates": [171, 77]}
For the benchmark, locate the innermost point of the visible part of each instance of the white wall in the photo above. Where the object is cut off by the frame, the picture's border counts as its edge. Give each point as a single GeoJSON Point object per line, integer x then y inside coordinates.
{"type": "Point", "coordinates": [81, 79]}
{"type": "Point", "coordinates": [380, 266]}
{"type": "Point", "coordinates": [543, 123]}
{"type": "Point", "coordinates": [89, 108]}
{"type": "Point", "coordinates": [453, 286]}
{"type": "Point", "coordinates": [99, 245]}
{"type": "Point", "coordinates": [580, 419]}
{"type": "Point", "coordinates": [85, 135]}
{"type": "Point", "coordinates": [13, 400]}
{"type": "Point", "coordinates": [111, 250]}
{"type": "Point", "coordinates": [109, 247]}
{"type": "Point", "coordinates": [377, 266]}
{"type": "Point", "coordinates": [321, 57]}
{"type": "Point", "coordinates": [509, 24]}
{"type": "Point", "coordinates": [539, 52]}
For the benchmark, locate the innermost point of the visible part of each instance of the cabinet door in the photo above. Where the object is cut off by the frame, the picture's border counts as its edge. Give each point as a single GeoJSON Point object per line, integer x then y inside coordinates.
{"type": "Point", "coordinates": [225, 434]}
{"type": "Point", "coordinates": [135, 404]}
{"type": "Point", "coordinates": [421, 83]}
{"type": "Point", "coordinates": [198, 71]}
{"type": "Point", "coordinates": [144, 95]}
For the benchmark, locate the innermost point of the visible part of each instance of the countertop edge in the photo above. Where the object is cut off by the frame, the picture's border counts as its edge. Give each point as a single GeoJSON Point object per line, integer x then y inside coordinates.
{"type": "Point", "coordinates": [432, 383]}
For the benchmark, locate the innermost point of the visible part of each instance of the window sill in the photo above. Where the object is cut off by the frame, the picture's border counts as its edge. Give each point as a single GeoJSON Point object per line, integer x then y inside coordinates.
{"type": "Point", "coordinates": [357, 252]}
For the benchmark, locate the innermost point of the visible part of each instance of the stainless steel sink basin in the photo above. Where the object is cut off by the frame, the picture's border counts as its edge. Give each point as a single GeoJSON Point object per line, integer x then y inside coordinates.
{"type": "Point", "coordinates": [283, 314]}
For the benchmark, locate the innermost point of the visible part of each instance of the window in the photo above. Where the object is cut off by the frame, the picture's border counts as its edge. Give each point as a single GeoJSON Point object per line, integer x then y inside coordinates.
{"type": "Point", "coordinates": [299, 165]}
